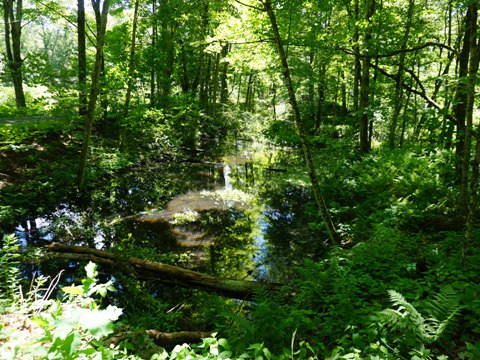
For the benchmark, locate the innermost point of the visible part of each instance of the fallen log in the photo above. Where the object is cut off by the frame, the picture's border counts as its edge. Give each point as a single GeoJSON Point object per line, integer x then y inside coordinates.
{"type": "Point", "coordinates": [166, 340]}
{"type": "Point", "coordinates": [152, 270]}
{"type": "Point", "coordinates": [177, 338]}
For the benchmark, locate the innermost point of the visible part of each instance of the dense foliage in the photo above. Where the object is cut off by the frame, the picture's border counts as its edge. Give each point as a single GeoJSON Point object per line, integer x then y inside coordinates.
{"type": "Point", "coordinates": [332, 147]}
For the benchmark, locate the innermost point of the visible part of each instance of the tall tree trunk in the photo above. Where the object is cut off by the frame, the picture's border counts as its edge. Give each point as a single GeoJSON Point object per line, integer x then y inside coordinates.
{"type": "Point", "coordinates": [205, 82]}
{"type": "Point", "coordinates": [82, 59]}
{"type": "Point", "coordinates": [185, 81]}
{"type": "Point", "coordinates": [223, 77]}
{"type": "Point", "coordinates": [472, 196]}
{"type": "Point", "coordinates": [321, 97]}
{"type": "Point", "coordinates": [213, 107]}
{"type": "Point", "coordinates": [131, 61]}
{"type": "Point", "coordinates": [357, 72]}
{"type": "Point", "coordinates": [13, 32]}
{"type": "Point", "coordinates": [343, 89]}
{"type": "Point", "coordinates": [460, 99]}
{"type": "Point", "coordinates": [96, 4]}
{"type": "Point", "coordinates": [94, 89]}
{"type": "Point", "coordinates": [398, 98]}
{"type": "Point", "coordinates": [153, 74]}
{"type": "Point", "coordinates": [248, 96]}
{"type": "Point", "coordinates": [470, 90]}
{"type": "Point", "coordinates": [168, 47]}
{"type": "Point", "coordinates": [404, 120]}
{"type": "Point", "coordinates": [332, 232]}
{"type": "Point", "coordinates": [365, 83]}
{"type": "Point", "coordinates": [239, 92]}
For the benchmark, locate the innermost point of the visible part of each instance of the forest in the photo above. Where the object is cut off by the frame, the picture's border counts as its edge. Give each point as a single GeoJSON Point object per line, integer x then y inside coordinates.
{"type": "Point", "coordinates": [239, 179]}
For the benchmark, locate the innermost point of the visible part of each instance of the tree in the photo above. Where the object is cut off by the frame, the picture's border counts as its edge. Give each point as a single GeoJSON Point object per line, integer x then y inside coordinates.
{"type": "Point", "coordinates": [332, 233]}
{"type": "Point", "coordinates": [82, 58]}
{"type": "Point", "coordinates": [12, 15]}
{"type": "Point", "coordinates": [131, 61]}
{"type": "Point", "coordinates": [365, 81]}
{"type": "Point", "coordinates": [471, 198]}
{"type": "Point", "coordinates": [101, 29]}
{"type": "Point", "coordinates": [399, 91]}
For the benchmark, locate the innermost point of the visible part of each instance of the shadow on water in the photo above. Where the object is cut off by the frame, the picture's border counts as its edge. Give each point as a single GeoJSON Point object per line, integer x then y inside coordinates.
{"type": "Point", "coordinates": [229, 216]}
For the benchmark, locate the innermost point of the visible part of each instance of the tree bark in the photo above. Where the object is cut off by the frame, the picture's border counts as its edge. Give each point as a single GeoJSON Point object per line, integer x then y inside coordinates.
{"type": "Point", "coordinates": [153, 74]}
{"type": "Point", "coordinates": [398, 98]}
{"type": "Point", "coordinates": [365, 83]}
{"type": "Point", "coordinates": [216, 70]}
{"type": "Point", "coordinates": [332, 232]}
{"type": "Point", "coordinates": [131, 61]}
{"type": "Point", "coordinates": [321, 97]}
{"type": "Point", "coordinates": [177, 338]}
{"type": "Point", "coordinates": [156, 271]}
{"type": "Point", "coordinates": [470, 92]}
{"type": "Point", "coordinates": [357, 74]}
{"type": "Point", "coordinates": [223, 77]}
{"type": "Point", "coordinates": [460, 99]}
{"type": "Point", "coordinates": [82, 59]}
{"type": "Point", "coordinates": [13, 33]}
{"type": "Point", "coordinates": [471, 198]}
{"type": "Point", "coordinates": [93, 92]}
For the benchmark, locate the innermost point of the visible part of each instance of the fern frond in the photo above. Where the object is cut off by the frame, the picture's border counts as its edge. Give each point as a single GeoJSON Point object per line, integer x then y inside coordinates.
{"type": "Point", "coordinates": [444, 303]}
{"type": "Point", "coordinates": [442, 311]}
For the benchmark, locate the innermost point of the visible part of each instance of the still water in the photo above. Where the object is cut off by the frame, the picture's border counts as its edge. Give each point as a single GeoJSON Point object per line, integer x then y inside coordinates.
{"type": "Point", "coordinates": [235, 216]}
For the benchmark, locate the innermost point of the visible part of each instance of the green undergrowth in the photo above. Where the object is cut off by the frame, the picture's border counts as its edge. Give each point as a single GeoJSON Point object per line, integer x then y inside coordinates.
{"type": "Point", "coordinates": [388, 298]}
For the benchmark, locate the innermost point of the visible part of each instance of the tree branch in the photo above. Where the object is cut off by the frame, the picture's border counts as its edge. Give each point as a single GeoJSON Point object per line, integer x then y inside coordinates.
{"type": "Point", "coordinates": [422, 93]}
{"type": "Point", "coordinates": [397, 52]}
{"type": "Point", "coordinates": [249, 6]}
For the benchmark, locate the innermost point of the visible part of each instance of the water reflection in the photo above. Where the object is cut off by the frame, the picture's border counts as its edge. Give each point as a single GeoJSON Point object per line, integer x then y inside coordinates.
{"type": "Point", "coordinates": [231, 217]}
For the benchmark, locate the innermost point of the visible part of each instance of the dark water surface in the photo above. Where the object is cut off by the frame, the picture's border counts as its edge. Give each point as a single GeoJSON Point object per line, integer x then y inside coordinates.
{"type": "Point", "coordinates": [234, 216]}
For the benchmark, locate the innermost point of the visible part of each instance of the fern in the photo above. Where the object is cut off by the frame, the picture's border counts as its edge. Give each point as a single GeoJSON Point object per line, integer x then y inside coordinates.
{"type": "Point", "coordinates": [9, 267]}
{"type": "Point", "coordinates": [406, 319]}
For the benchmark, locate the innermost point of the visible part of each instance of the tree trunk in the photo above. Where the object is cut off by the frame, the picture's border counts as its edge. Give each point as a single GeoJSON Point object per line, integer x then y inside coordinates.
{"type": "Point", "coordinates": [168, 47]}
{"type": "Point", "coordinates": [470, 92]}
{"type": "Point", "coordinates": [332, 233]}
{"type": "Point", "coordinates": [156, 271]}
{"type": "Point", "coordinates": [131, 61]}
{"type": "Point", "coordinates": [460, 100]}
{"type": "Point", "coordinates": [166, 340]}
{"type": "Point", "coordinates": [249, 95]}
{"type": "Point", "coordinates": [357, 72]}
{"type": "Point", "coordinates": [13, 33]}
{"type": "Point", "coordinates": [223, 77]}
{"type": "Point", "coordinates": [321, 97]}
{"type": "Point", "coordinates": [365, 83]}
{"type": "Point", "coordinates": [471, 197]}
{"type": "Point", "coordinates": [185, 81]}
{"type": "Point", "coordinates": [93, 91]}
{"type": "Point", "coordinates": [398, 98]}
{"type": "Point", "coordinates": [82, 59]}
{"type": "Point", "coordinates": [213, 107]}
{"type": "Point", "coordinates": [153, 74]}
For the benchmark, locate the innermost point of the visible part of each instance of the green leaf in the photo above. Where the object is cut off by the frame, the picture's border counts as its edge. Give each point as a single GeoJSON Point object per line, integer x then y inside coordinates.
{"type": "Point", "coordinates": [63, 327]}
{"type": "Point", "coordinates": [71, 344]}
{"type": "Point", "coordinates": [73, 290]}
{"type": "Point", "coordinates": [41, 321]}
{"type": "Point", "coordinates": [99, 322]}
